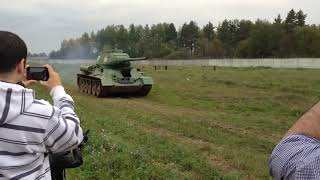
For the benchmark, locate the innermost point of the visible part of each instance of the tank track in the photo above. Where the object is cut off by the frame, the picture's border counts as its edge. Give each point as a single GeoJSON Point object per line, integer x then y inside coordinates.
{"type": "Point", "coordinates": [92, 86]}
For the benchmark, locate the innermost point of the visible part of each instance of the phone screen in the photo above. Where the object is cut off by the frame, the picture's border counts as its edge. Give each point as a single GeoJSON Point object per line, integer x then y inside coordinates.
{"type": "Point", "coordinates": [37, 73]}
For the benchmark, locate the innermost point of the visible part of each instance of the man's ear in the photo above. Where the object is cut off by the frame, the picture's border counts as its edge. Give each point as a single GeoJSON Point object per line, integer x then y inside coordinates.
{"type": "Point", "coordinates": [21, 66]}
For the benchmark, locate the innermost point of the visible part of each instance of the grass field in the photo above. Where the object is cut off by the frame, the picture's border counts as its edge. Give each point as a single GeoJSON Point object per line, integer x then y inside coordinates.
{"type": "Point", "coordinates": [195, 124]}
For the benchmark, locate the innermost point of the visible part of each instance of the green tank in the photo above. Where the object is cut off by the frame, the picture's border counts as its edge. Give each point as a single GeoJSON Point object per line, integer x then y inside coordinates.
{"type": "Point", "coordinates": [113, 75]}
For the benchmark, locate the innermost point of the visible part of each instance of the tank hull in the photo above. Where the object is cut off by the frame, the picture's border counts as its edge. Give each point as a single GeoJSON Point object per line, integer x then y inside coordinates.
{"type": "Point", "coordinates": [94, 86]}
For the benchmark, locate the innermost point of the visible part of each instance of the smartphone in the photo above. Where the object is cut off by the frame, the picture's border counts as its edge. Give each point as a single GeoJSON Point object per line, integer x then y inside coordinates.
{"type": "Point", "coordinates": [37, 73]}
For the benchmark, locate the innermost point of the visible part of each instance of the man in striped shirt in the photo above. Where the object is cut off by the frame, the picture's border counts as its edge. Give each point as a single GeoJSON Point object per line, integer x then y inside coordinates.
{"type": "Point", "coordinates": [297, 156]}
{"type": "Point", "coordinates": [31, 128]}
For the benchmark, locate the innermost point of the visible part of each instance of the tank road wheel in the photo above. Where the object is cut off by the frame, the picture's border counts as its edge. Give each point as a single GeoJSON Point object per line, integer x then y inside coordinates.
{"type": "Point", "coordinates": [89, 86]}
{"type": "Point", "coordinates": [93, 89]}
{"type": "Point", "coordinates": [98, 89]}
{"type": "Point", "coordinates": [82, 85]}
{"type": "Point", "coordinates": [85, 86]}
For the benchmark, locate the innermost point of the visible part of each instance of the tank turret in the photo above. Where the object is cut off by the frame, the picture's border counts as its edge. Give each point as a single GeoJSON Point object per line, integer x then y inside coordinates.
{"type": "Point", "coordinates": [113, 75]}
{"type": "Point", "coordinates": [116, 60]}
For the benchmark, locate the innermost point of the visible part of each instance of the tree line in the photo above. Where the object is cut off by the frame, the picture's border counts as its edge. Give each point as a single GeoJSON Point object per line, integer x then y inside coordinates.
{"type": "Point", "coordinates": [287, 38]}
{"type": "Point", "coordinates": [37, 54]}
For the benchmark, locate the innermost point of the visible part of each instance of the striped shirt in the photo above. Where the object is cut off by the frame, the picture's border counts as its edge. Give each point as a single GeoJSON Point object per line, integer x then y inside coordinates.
{"type": "Point", "coordinates": [30, 128]}
{"type": "Point", "coordinates": [296, 157]}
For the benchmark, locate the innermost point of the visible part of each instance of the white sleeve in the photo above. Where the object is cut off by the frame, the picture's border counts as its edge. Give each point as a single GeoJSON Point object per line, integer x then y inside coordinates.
{"type": "Point", "coordinates": [63, 131]}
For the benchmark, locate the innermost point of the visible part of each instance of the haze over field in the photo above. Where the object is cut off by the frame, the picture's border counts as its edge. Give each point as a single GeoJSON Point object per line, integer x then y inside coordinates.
{"type": "Point", "coordinates": [43, 24]}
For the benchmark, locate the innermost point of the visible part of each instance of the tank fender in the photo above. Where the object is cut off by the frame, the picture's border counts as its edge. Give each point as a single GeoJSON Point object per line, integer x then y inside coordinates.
{"type": "Point", "coordinates": [86, 68]}
{"type": "Point", "coordinates": [147, 80]}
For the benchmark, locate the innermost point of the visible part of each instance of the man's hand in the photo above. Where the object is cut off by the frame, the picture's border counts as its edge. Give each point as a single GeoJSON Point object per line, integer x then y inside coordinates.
{"type": "Point", "coordinates": [54, 79]}
{"type": "Point", "coordinates": [27, 83]}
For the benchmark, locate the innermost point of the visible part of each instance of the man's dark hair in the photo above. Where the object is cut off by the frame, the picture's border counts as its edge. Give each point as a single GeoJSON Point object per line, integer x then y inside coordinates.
{"type": "Point", "coordinates": [12, 50]}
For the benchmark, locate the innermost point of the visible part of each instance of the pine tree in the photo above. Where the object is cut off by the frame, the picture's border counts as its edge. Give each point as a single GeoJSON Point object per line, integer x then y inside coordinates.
{"type": "Point", "coordinates": [189, 35]}
{"type": "Point", "coordinates": [291, 17]}
{"type": "Point", "coordinates": [208, 31]}
{"type": "Point", "coordinates": [171, 33]}
{"type": "Point", "coordinates": [133, 38]}
{"type": "Point", "coordinates": [291, 20]}
{"type": "Point", "coordinates": [301, 18]}
{"type": "Point", "coordinates": [278, 20]}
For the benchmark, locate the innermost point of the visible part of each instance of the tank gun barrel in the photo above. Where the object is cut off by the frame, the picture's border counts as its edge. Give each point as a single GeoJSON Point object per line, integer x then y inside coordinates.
{"type": "Point", "coordinates": [136, 59]}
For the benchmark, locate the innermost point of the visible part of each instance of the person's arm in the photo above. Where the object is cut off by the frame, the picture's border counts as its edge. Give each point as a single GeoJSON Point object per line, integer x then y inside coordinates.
{"type": "Point", "coordinates": [63, 131]}
{"type": "Point", "coordinates": [308, 124]}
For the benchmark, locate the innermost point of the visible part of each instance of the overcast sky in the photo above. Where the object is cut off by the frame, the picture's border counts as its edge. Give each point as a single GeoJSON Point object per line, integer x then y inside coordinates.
{"type": "Point", "coordinates": [43, 24]}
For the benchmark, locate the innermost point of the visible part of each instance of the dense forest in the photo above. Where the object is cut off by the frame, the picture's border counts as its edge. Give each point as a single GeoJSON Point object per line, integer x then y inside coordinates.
{"type": "Point", "coordinates": [282, 38]}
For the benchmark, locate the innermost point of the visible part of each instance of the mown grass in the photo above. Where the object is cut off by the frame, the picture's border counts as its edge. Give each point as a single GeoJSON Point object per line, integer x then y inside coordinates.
{"type": "Point", "coordinates": [196, 123]}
